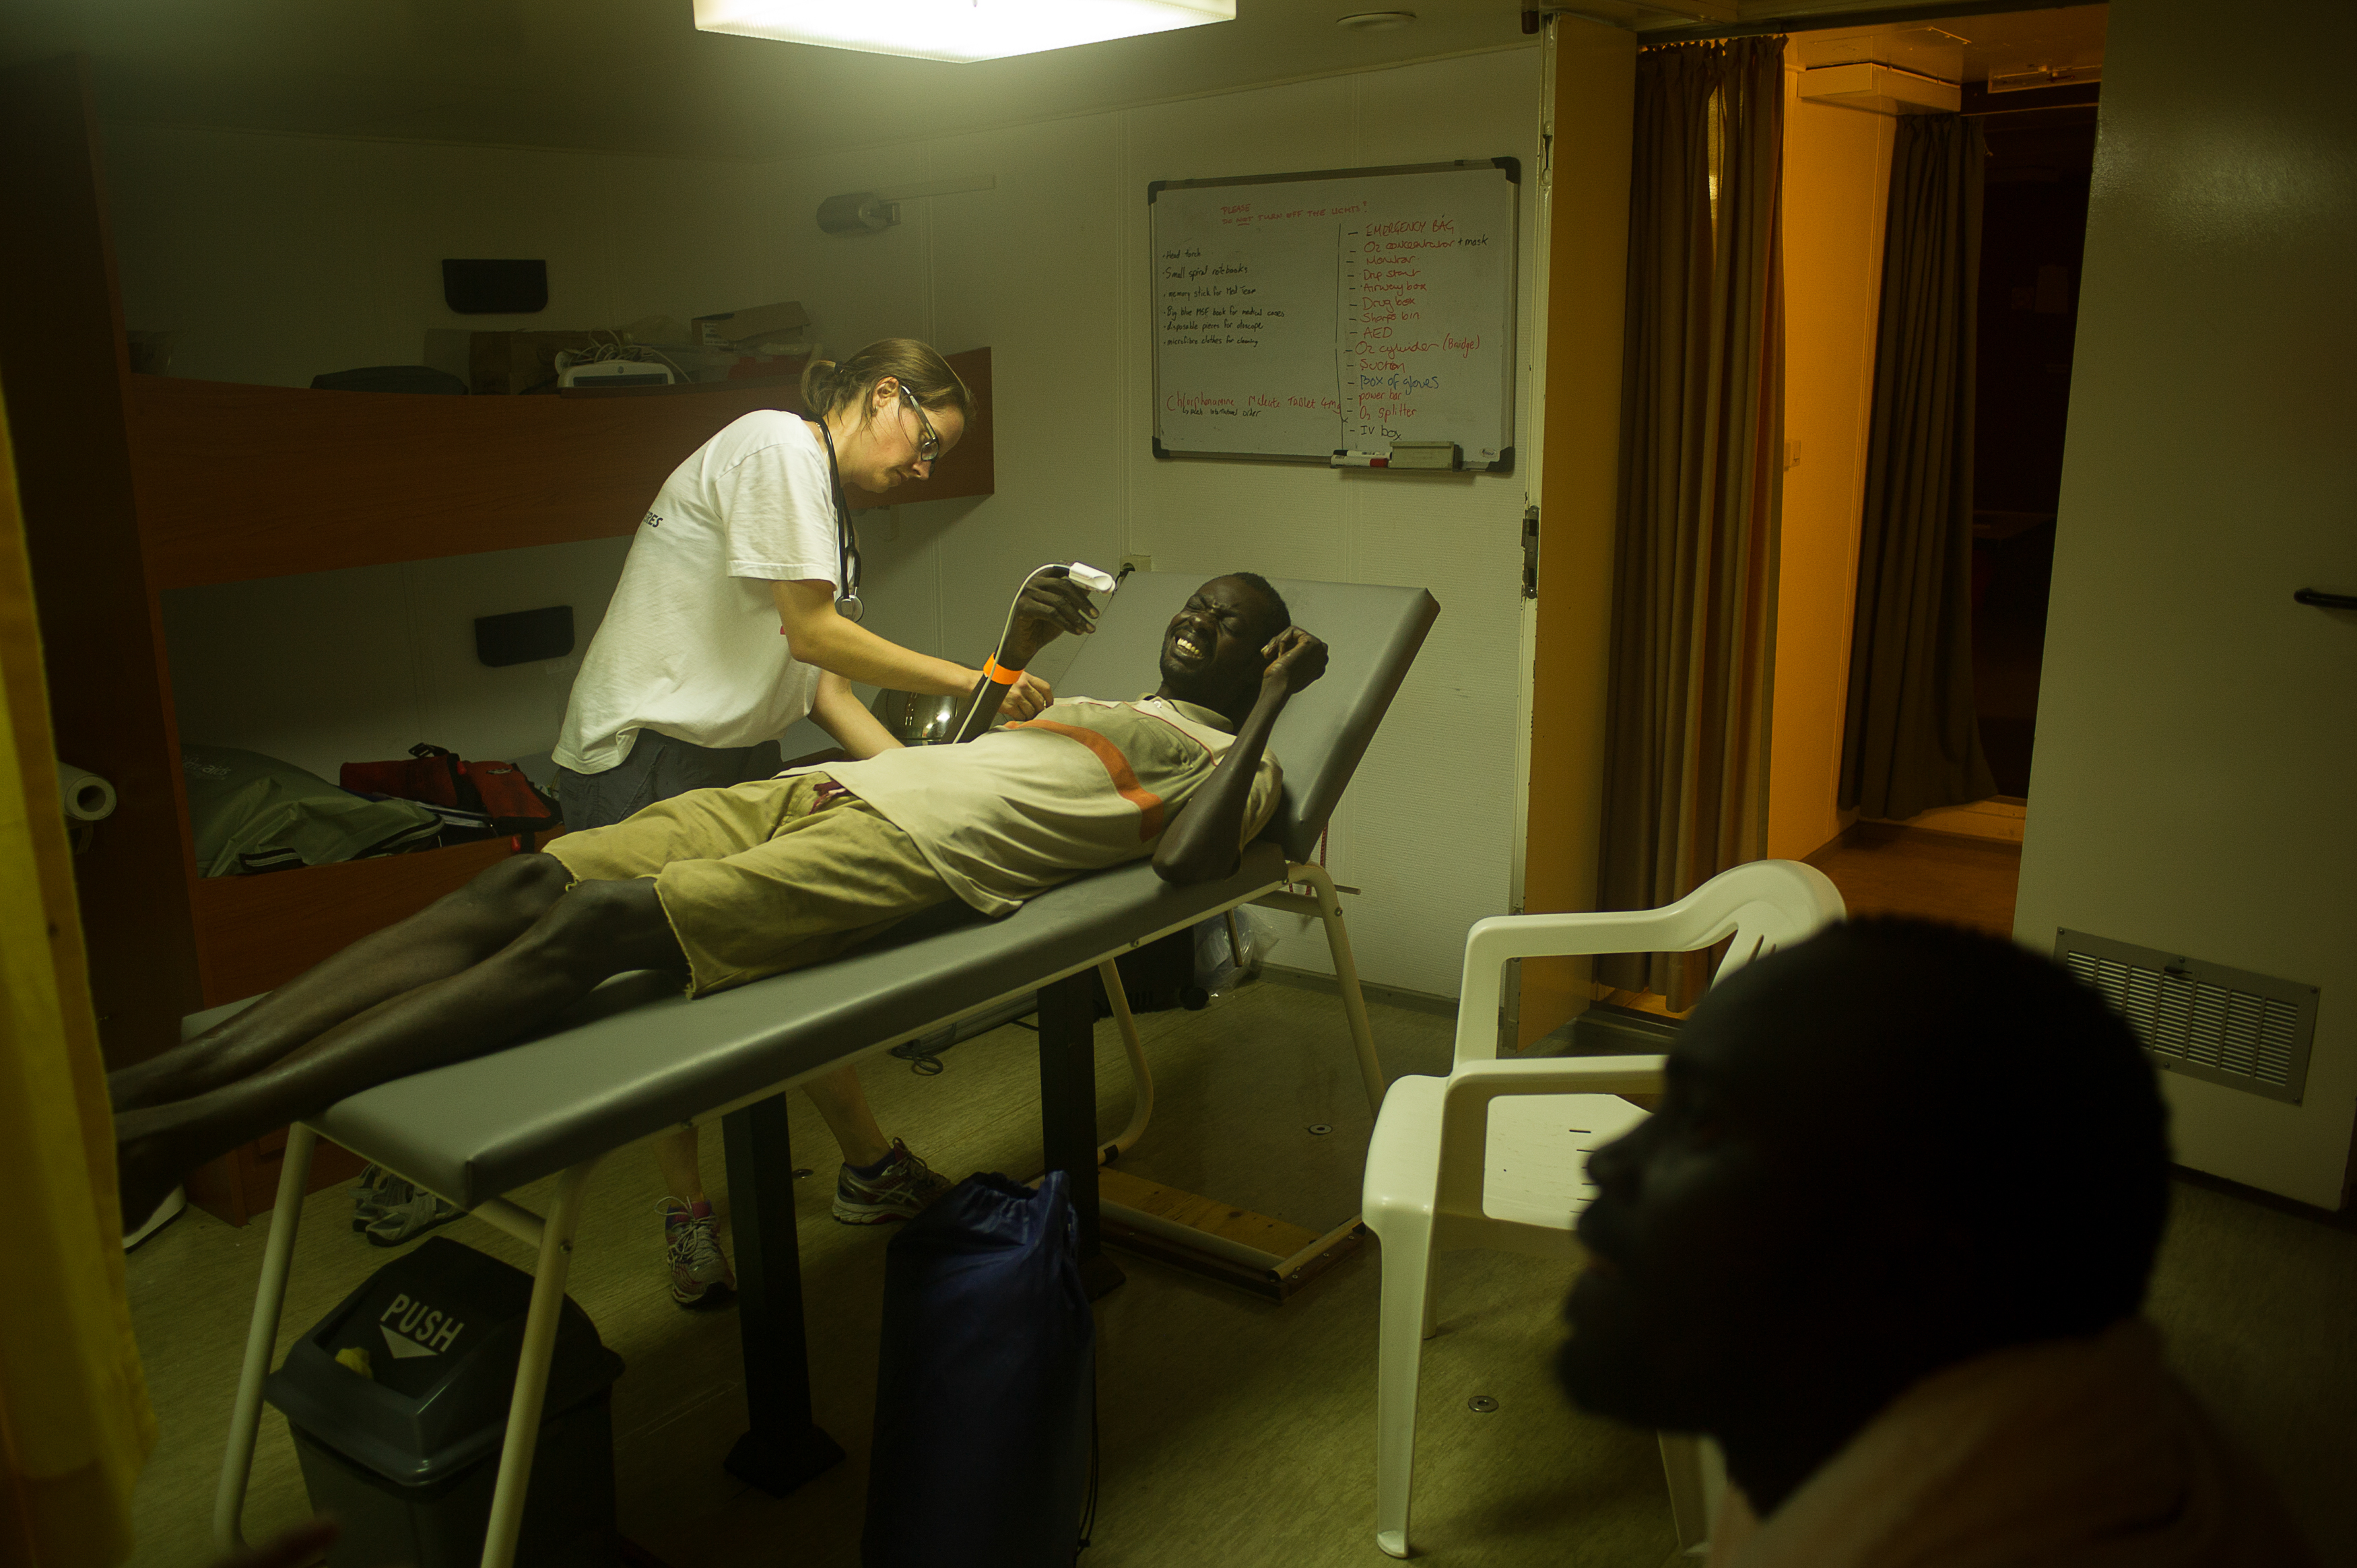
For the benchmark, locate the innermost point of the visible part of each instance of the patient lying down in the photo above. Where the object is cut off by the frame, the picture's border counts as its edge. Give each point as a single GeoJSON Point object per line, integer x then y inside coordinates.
{"type": "Point", "coordinates": [727, 885]}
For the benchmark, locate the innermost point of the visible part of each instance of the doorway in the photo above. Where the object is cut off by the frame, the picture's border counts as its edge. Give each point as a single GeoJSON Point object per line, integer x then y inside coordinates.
{"type": "Point", "coordinates": [2032, 81]}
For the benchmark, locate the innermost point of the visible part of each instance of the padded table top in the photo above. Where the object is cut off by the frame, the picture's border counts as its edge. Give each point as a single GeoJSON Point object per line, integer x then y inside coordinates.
{"type": "Point", "coordinates": [638, 1057]}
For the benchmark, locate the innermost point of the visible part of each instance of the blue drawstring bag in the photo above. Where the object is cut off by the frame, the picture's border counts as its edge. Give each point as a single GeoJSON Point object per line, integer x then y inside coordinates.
{"type": "Point", "coordinates": [986, 1385]}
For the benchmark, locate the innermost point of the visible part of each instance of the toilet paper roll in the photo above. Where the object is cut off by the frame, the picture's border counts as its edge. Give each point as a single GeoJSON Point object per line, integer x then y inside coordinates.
{"type": "Point", "coordinates": [87, 797]}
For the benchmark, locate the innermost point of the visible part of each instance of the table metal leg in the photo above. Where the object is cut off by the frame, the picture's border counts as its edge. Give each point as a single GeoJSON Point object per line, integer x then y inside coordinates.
{"type": "Point", "coordinates": [512, 1483]}
{"type": "Point", "coordinates": [1141, 1074]}
{"type": "Point", "coordinates": [1068, 1113]}
{"type": "Point", "coordinates": [1329, 909]}
{"type": "Point", "coordinates": [261, 1337]}
{"type": "Point", "coordinates": [783, 1445]}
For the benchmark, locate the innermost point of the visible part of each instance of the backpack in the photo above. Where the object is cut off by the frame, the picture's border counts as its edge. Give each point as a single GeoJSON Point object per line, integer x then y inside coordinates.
{"type": "Point", "coordinates": [986, 1385]}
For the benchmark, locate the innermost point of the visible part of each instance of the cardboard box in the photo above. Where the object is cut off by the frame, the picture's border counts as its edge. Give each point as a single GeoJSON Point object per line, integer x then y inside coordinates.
{"type": "Point", "coordinates": [785, 320]}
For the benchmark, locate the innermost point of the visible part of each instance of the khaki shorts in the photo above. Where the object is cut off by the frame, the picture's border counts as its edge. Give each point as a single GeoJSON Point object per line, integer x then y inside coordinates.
{"type": "Point", "coordinates": [759, 878]}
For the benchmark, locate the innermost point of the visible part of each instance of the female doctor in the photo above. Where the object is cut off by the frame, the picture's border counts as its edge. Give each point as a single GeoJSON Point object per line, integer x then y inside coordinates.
{"type": "Point", "coordinates": [737, 613]}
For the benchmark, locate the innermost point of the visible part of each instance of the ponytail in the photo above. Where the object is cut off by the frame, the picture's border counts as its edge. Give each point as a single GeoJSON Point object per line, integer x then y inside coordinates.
{"type": "Point", "coordinates": [829, 385]}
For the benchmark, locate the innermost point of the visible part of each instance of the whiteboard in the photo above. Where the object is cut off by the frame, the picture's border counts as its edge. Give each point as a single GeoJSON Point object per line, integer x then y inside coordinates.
{"type": "Point", "coordinates": [1300, 314]}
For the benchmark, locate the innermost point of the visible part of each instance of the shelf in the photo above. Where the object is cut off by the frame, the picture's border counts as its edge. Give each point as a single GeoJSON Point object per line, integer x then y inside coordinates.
{"type": "Point", "coordinates": [237, 482]}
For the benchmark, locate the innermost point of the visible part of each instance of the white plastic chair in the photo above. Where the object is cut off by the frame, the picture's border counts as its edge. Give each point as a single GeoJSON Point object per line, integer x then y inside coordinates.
{"type": "Point", "coordinates": [1494, 1154]}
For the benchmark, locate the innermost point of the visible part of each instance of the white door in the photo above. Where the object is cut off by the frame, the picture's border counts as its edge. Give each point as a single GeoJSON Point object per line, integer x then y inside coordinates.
{"type": "Point", "coordinates": [2195, 775]}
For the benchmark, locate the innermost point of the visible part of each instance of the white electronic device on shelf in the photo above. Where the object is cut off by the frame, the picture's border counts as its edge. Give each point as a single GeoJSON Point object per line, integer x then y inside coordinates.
{"type": "Point", "coordinates": [616, 373]}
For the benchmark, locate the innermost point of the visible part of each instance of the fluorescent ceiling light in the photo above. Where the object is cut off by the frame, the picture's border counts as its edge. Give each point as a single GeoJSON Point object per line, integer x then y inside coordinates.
{"type": "Point", "coordinates": [954, 29]}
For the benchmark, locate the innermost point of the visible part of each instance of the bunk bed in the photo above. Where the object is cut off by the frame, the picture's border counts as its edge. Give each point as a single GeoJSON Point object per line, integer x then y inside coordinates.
{"type": "Point", "coordinates": [134, 486]}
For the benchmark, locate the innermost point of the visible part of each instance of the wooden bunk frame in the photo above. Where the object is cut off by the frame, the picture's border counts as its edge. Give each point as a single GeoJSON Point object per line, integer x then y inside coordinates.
{"type": "Point", "coordinates": [134, 486]}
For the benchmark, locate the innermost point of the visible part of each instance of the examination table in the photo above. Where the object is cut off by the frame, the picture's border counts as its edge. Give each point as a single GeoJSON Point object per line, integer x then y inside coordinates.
{"type": "Point", "coordinates": [637, 1060]}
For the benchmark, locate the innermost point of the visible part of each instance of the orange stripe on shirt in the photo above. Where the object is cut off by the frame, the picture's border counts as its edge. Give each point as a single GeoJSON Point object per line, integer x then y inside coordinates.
{"type": "Point", "coordinates": [1125, 778]}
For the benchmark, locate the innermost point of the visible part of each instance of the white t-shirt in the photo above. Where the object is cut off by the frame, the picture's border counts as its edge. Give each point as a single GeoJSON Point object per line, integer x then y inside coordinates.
{"type": "Point", "coordinates": [691, 645]}
{"type": "Point", "coordinates": [1086, 785]}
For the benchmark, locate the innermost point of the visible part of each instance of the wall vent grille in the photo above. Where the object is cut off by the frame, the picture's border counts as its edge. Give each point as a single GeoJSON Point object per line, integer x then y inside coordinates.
{"type": "Point", "coordinates": [2224, 1026]}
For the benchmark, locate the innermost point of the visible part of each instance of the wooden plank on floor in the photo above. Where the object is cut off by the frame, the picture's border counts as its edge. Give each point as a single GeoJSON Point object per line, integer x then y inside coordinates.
{"type": "Point", "coordinates": [1209, 1215]}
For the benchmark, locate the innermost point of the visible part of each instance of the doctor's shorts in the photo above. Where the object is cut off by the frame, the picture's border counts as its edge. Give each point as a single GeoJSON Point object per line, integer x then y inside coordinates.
{"type": "Point", "coordinates": [762, 878]}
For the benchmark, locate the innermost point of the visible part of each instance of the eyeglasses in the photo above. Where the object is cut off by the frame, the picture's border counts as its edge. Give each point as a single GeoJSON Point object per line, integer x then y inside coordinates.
{"type": "Point", "coordinates": [929, 440]}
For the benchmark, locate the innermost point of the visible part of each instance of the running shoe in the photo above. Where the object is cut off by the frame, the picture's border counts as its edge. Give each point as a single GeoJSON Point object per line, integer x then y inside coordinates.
{"type": "Point", "coordinates": [895, 1187]}
{"type": "Point", "coordinates": [367, 1201]}
{"type": "Point", "coordinates": [700, 1275]}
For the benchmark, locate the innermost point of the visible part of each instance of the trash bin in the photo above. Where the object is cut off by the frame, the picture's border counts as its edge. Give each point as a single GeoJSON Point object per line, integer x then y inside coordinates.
{"type": "Point", "coordinates": [398, 1404]}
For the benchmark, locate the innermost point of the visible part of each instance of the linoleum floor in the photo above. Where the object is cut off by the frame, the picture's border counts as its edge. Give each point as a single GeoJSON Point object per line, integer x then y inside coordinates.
{"type": "Point", "coordinates": [1237, 1431]}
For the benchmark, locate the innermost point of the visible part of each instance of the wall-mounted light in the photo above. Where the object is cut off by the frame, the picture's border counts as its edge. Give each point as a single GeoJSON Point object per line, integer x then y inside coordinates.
{"type": "Point", "coordinates": [958, 30]}
{"type": "Point", "coordinates": [860, 212]}
{"type": "Point", "coordinates": [873, 212]}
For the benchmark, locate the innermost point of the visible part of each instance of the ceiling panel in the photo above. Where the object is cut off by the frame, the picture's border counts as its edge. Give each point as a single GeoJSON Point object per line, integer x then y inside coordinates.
{"type": "Point", "coordinates": [635, 75]}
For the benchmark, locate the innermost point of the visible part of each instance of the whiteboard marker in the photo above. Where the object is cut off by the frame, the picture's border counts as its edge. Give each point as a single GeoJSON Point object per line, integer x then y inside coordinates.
{"type": "Point", "coordinates": [1342, 459]}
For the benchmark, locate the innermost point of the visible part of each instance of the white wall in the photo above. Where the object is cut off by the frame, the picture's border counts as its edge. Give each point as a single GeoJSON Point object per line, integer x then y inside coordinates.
{"type": "Point", "coordinates": [356, 666]}
{"type": "Point", "coordinates": [272, 259]}
{"type": "Point", "coordinates": [2197, 759]}
{"type": "Point", "coordinates": [278, 257]}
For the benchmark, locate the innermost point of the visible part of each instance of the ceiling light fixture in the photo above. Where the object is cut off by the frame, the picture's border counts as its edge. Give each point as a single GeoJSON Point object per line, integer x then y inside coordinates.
{"type": "Point", "coordinates": [1375, 21]}
{"type": "Point", "coordinates": [956, 30]}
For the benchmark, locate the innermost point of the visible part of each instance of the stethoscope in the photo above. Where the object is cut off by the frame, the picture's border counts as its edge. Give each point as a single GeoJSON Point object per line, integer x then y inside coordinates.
{"type": "Point", "coordinates": [846, 540]}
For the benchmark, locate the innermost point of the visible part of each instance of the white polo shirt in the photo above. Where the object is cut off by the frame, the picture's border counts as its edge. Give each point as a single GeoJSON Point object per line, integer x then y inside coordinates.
{"type": "Point", "coordinates": [691, 645]}
{"type": "Point", "coordinates": [1086, 785]}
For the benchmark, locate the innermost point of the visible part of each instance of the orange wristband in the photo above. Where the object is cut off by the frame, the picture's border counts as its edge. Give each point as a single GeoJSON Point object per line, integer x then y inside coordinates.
{"type": "Point", "coordinates": [992, 670]}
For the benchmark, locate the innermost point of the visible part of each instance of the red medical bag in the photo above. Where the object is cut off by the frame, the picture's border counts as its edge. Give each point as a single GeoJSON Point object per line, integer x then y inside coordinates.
{"type": "Point", "coordinates": [434, 776]}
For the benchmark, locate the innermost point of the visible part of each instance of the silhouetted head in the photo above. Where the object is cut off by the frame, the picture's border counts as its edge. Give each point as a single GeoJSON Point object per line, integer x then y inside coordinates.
{"type": "Point", "coordinates": [1882, 1150]}
{"type": "Point", "coordinates": [1216, 648]}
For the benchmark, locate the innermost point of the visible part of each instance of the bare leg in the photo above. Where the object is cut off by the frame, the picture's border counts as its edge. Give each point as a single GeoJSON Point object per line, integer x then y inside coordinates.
{"type": "Point", "coordinates": [682, 1173]}
{"type": "Point", "coordinates": [599, 929]}
{"type": "Point", "coordinates": [841, 1102]}
{"type": "Point", "coordinates": [844, 1106]}
{"type": "Point", "coordinates": [440, 941]}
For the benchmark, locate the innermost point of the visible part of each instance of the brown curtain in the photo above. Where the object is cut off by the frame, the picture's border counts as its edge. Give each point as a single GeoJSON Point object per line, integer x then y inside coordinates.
{"type": "Point", "coordinates": [1911, 740]}
{"type": "Point", "coordinates": [1685, 792]}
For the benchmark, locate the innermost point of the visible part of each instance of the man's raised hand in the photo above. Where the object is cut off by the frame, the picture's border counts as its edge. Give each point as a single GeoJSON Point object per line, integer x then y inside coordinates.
{"type": "Point", "coordinates": [1050, 605]}
{"type": "Point", "coordinates": [1294, 659]}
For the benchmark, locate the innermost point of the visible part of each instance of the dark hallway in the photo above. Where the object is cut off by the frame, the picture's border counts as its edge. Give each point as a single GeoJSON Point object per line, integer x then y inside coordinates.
{"type": "Point", "coordinates": [2033, 236]}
